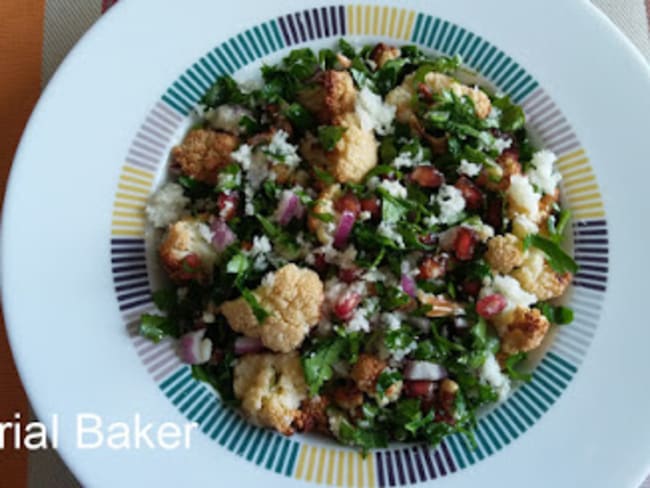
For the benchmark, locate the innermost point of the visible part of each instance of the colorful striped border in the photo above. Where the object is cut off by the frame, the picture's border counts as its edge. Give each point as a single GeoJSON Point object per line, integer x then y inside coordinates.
{"type": "Point", "coordinates": [303, 457]}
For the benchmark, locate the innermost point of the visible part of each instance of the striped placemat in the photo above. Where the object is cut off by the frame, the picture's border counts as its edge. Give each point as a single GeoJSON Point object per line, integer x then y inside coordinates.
{"type": "Point", "coordinates": [34, 38]}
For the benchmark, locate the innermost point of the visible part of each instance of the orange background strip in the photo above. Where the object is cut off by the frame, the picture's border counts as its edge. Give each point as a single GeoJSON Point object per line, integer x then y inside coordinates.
{"type": "Point", "coordinates": [21, 40]}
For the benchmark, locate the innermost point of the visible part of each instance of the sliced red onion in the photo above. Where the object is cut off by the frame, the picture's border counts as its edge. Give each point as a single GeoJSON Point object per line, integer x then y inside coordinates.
{"type": "Point", "coordinates": [222, 236]}
{"type": "Point", "coordinates": [408, 285]}
{"type": "Point", "coordinates": [194, 349]}
{"type": "Point", "coordinates": [289, 208]}
{"type": "Point", "coordinates": [248, 345]}
{"type": "Point", "coordinates": [448, 238]}
{"type": "Point", "coordinates": [346, 222]}
{"type": "Point", "coordinates": [424, 370]}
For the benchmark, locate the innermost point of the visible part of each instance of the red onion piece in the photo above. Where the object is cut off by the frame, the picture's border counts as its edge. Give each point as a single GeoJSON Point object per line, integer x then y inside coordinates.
{"type": "Point", "coordinates": [194, 349]}
{"type": "Point", "coordinates": [289, 208]}
{"type": "Point", "coordinates": [408, 285]}
{"type": "Point", "coordinates": [419, 389]}
{"type": "Point", "coordinates": [346, 222]}
{"type": "Point", "coordinates": [222, 236]}
{"type": "Point", "coordinates": [248, 345]}
{"type": "Point", "coordinates": [424, 370]}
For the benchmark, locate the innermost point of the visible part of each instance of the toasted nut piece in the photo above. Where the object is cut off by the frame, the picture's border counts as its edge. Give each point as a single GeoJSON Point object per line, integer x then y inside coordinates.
{"type": "Point", "coordinates": [271, 388]}
{"type": "Point", "coordinates": [332, 94]}
{"type": "Point", "coordinates": [504, 253]}
{"type": "Point", "coordinates": [366, 371]}
{"type": "Point", "coordinates": [184, 252]}
{"type": "Point", "coordinates": [292, 296]}
{"type": "Point", "coordinates": [446, 399]}
{"type": "Point", "coordinates": [524, 332]}
{"type": "Point", "coordinates": [537, 277]}
{"type": "Point", "coordinates": [203, 153]}
{"type": "Point", "coordinates": [353, 156]}
{"type": "Point", "coordinates": [440, 305]}
{"type": "Point", "coordinates": [382, 53]}
{"type": "Point", "coordinates": [313, 415]}
{"type": "Point", "coordinates": [546, 209]}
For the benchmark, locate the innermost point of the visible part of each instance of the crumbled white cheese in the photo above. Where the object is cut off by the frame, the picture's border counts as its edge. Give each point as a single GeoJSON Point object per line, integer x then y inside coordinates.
{"type": "Point", "coordinates": [394, 188]}
{"type": "Point", "coordinates": [359, 321]}
{"type": "Point", "coordinates": [373, 183]}
{"type": "Point", "coordinates": [469, 169]}
{"type": "Point", "coordinates": [208, 317]}
{"type": "Point", "coordinates": [501, 145]}
{"type": "Point", "coordinates": [430, 221]}
{"type": "Point", "coordinates": [373, 113]}
{"type": "Point", "coordinates": [249, 193]}
{"type": "Point", "coordinates": [279, 148]}
{"type": "Point", "coordinates": [491, 374]}
{"type": "Point", "coordinates": [343, 259]}
{"type": "Point", "coordinates": [523, 195]}
{"type": "Point", "coordinates": [364, 215]}
{"type": "Point", "coordinates": [483, 230]}
{"type": "Point", "coordinates": [167, 205]}
{"type": "Point", "coordinates": [451, 202]}
{"type": "Point", "coordinates": [259, 252]}
{"type": "Point", "coordinates": [542, 173]}
{"type": "Point", "coordinates": [392, 320]}
{"type": "Point", "coordinates": [205, 232]}
{"type": "Point", "coordinates": [227, 117]}
{"type": "Point", "coordinates": [388, 229]}
{"type": "Point", "coordinates": [243, 155]}
{"type": "Point", "coordinates": [399, 354]}
{"type": "Point", "coordinates": [512, 291]}
{"type": "Point", "coordinates": [406, 160]}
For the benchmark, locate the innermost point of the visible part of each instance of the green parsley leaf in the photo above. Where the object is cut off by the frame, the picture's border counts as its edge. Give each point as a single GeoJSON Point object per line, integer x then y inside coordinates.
{"type": "Point", "coordinates": [557, 258]}
{"type": "Point", "coordinates": [556, 315]}
{"type": "Point", "coordinates": [259, 312]}
{"type": "Point", "coordinates": [512, 116]}
{"type": "Point", "coordinates": [364, 438]}
{"type": "Point", "coordinates": [512, 362]}
{"type": "Point", "coordinates": [165, 298]}
{"type": "Point", "coordinates": [386, 380]}
{"type": "Point", "coordinates": [317, 362]}
{"type": "Point", "coordinates": [156, 328]}
{"type": "Point", "coordinates": [330, 135]}
{"type": "Point", "coordinates": [323, 176]}
{"type": "Point", "coordinates": [224, 90]}
{"type": "Point", "coordinates": [299, 117]}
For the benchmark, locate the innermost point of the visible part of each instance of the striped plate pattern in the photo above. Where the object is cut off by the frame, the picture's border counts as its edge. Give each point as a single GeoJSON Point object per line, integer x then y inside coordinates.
{"type": "Point", "coordinates": [304, 457]}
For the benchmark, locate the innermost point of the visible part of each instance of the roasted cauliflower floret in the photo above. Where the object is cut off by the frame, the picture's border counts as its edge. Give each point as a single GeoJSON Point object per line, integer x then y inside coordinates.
{"type": "Point", "coordinates": [324, 206]}
{"type": "Point", "coordinates": [365, 374]}
{"type": "Point", "coordinates": [382, 53]}
{"type": "Point", "coordinates": [353, 156]}
{"type": "Point", "coordinates": [186, 252]}
{"type": "Point", "coordinates": [332, 94]}
{"type": "Point", "coordinates": [203, 153]}
{"type": "Point", "coordinates": [402, 96]}
{"type": "Point", "coordinates": [504, 253]}
{"type": "Point", "coordinates": [292, 297]}
{"type": "Point", "coordinates": [537, 277]}
{"type": "Point", "coordinates": [524, 332]}
{"type": "Point", "coordinates": [271, 388]}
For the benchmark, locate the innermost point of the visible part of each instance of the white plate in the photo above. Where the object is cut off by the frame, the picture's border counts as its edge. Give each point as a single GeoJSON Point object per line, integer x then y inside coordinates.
{"type": "Point", "coordinates": [68, 334]}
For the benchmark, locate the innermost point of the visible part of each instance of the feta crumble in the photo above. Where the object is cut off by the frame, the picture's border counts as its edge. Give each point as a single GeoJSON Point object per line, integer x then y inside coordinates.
{"type": "Point", "coordinates": [451, 202]}
{"type": "Point", "coordinates": [280, 147]}
{"type": "Point", "coordinates": [542, 172]}
{"type": "Point", "coordinates": [469, 169]}
{"type": "Point", "coordinates": [388, 230]}
{"type": "Point", "coordinates": [406, 160]}
{"type": "Point", "coordinates": [511, 289]}
{"type": "Point", "coordinates": [373, 113]}
{"type": "Point", "coordinates": [167, 205]}
{"type": "Point", "coordinates": [524, 196]}
{"type": "Point", "coordinates": [490, 373]}
{"type": "Point", "coordinates": [394, 188]}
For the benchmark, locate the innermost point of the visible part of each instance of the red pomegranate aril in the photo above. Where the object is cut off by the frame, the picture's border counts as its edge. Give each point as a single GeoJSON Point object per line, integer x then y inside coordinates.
{"type": "Point", "coordinates": [472, 195]}
{"type": "Point", "coordinates": [372, 205]}
{"type": "Point", "coordinates": [227, 204]}
{"type": "Point", "coordinates": [418, 389]}
{"type": "Point", "coordinates": [348, 275]}
{"type": "Point", "coordinates": [465, 244]}
{"type": "Point", "coordinates": [190, 266]}
{"type": "Point", "coordinates": [427, 177]}
{"type": "Point", "coordinates": [432, 268]}
{"type": "Point", "coordinates": [348, 202]}
{"type": "Point", "coordinates": [471, 287]}
{"type": "Point", "coordinates": [345, 307]}
{"type": "Point", "coordinates": [320, 263]}
{"type": "Point", "coordinates": [494, 213]}
{"type": "Point", "coordinates": [491, 305]}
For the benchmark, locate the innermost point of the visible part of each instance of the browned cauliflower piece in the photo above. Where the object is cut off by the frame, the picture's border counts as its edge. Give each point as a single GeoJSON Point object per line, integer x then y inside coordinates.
{"type": "Point", "coordinates": [292, 296]}
{"type": "Point", "coordinates": [382, 53]}
{"type": "Point", "coordinates": [537, 277]}
{"type": "Point", "coordinates": [271, 388]}
{"type": "Point", "coordinates": [353, 156]}
{"type": "Point", "coordinates": [313, 415]}
{"type": "Point", "coordinates": [332, 94]}
{"type": "Point", "coordinates": [366, 371]}
{"type": "Point", "coordinates": [203, 153]}
{"type": "Point", "coordinates": [504, 253]}
{"type": "Point", "coordinates": [186, 252]}
{"type": "Point", "coordinates": [524, 332]}
{"type": "Point", "coordinates": [324, 205]}
{"type": "Point", "coordinates": [402, 96]}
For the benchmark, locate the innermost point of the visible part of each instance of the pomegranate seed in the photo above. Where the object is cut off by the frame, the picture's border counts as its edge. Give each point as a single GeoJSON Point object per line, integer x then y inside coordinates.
{"type": "Point", "coordinates": [494, 213]}
{"type": "Point", "coordinates": [348, 275]}
{"type": "Point", "coordinates": [190, 266]}
{"type": "Point", "coordinates": [510, 153]}
{"type": "Point", "coordinates": [227, 204]}
{"type": "Point", "coordinates": [427, 177]}
{"type": "Point", "coordinates": [348, 202]}
{"type": "Point", "coordinates": [418, 389]}
{"type": "Point", "coordinates": [372, 205]}
{"type": "Point", "coordinates": [345, 307]}
{"type": "Point", "coordinates": [491, 305]}
{"type": "Point", "coordinates": [320, 264]}
{"type": "Point", "coordinates": [432, 268]}
{"type": "Point", "coordinates": [465, 244]}
{"type": "Point", "coordinates": [425, 92]}
{"type": "Point", "coordinates": [471, 287]}
{"type": "Point", "coordinates": [472, 195]}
